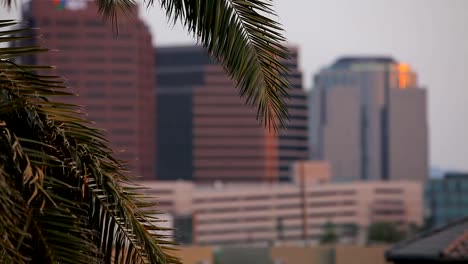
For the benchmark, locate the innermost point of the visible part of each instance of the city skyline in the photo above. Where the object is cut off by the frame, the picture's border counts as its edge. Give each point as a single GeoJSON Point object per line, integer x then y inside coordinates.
{"type": "Point", "coordinates": [427, 34]}
{"type": "Point", "coordinates": [157, 145]}
{"type": "Point", "coordinates": [368, 27]}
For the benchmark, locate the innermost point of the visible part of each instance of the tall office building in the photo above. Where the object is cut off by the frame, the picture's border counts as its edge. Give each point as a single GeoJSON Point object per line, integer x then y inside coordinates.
{"type": "Point", "coordinates": [112, 73]}
{"type": "Point", "coordinates": [368, 118]}
{"type": "Point", "coordinates": [206, 133]}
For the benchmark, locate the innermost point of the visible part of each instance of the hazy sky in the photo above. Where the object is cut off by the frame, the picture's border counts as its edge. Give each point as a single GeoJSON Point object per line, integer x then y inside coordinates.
{"type": "Point", "coordinates": [430, 35]}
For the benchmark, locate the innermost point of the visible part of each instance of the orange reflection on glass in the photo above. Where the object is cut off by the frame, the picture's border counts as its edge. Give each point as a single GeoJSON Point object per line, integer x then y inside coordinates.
{"type": "Point", "coordinates": [403, 75]}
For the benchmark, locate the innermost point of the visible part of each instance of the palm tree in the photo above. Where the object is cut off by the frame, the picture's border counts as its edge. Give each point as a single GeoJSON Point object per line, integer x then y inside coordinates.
{"type": "Point", "coordinates": [64, 198]}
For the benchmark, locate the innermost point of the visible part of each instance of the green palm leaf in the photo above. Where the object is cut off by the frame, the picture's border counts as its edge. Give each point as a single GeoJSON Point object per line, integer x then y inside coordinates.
{"type": "Point", "coordinates": [63, 197]}
{"type": "Point", "coordinates": [243, 37]}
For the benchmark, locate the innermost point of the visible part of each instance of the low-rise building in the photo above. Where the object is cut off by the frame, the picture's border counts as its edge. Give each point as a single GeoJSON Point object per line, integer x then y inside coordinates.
{"type": "Point", "coordinates": [446, 199]}
{"type": "Point", "coordinates": [283, 255]}
{"type": "Point", "coordinates": [267, 214]}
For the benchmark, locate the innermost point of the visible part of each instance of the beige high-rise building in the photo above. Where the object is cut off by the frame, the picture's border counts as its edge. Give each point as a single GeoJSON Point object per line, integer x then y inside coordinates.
{"type": "Point", "coordinates": [367, 117]}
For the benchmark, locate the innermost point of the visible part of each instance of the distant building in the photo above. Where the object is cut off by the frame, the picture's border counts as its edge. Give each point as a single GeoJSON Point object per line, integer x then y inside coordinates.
{"type": "Point", "coordinates": [112, 74]}
{"type": "Point", "coordinates": [340, 254]}
{"type": "Point", "coordinates": [368, 119]}
{"type": "Point", "coordinates": [311, 172]}
{"type": "Point", "coordinates": [446, 199]}
{"type": "Point", "coordinates": [205, 132]}
{"type": "Point", "coordinates": [264, 214]}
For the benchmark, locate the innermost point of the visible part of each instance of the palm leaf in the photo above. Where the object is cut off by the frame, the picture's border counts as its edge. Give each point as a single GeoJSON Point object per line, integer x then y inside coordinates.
{"type": "Point", "coordinates": [74, 201]}
{"type": "Point", "coordinates": [243, 37]}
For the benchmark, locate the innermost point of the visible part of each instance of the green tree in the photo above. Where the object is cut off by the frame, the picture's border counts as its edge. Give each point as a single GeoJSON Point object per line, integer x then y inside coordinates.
{"type": "Point", "coordinates": [350, 229]}
{"type": "Point", "coordinates": [329, 235]}
{"type": "Point", "coordinates": [64, 198]}
{"type": "Point", "coordinates": [384, 232]}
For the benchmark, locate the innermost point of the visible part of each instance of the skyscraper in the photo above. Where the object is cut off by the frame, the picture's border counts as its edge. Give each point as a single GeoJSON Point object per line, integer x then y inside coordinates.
{"type": "Point", "coordinates": [206, 133]}
{"type": "Point", "coordinates": [368, 118]}
{"type": "Point", "coordinates": [112, 74]}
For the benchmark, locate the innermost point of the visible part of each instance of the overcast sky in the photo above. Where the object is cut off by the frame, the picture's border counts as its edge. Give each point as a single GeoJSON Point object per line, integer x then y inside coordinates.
{"type": "Point", "coordinates": [430, 35]}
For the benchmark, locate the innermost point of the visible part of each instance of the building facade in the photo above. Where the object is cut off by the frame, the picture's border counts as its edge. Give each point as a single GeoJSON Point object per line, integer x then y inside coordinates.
{"type": "Point", "coordinates": [368, 119]}
{"type": "Point", "coordinates": [205, 131]}
{"type": "Point", "coordinates": [340, 254]}
{"type": "Point", "coordinates": [265, 214]}
{"type": "Point", "coordinates": [111, 73]}
{"type": "Point", "coordinates": [446, 199]}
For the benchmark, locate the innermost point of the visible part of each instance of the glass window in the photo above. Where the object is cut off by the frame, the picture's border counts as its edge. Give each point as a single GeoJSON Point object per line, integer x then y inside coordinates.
{"type": "Point", "coordinates": [94, 23]}
{"type": "Point", "coordinates": [452, 185]}
{"type": "Point", "coordinates": [68, 23]}
{"type": "Point", "coordinates": [63, 59]}
{"type": "Point", "coordinates": [95, 84]}
{"type": "Point", "coordinates": [440, 200]}
{"type": "Point", "coordinates": [95, 107]}
{"type": "Point", "coordinates": [436, 186]}
{"type": "Point", "coordinates": [123, 132]}
{"type": "Point", "coordinates": [122, 107]}
{"type": "Point", "coordinates": [94, 35]}
{"type": "Point", "coordinates": [122, 72]}
{"type": "Point", "coordinates": [96, 95]}
{"type": "Point", "coordinates": [96, 72]}
{"type": "Point", "coordinates": [122, 60]}
{"type": "Point", "coordinates": [95, 48]}
{"type": "Point", "coordinates": [464, 185]}
{"type": "Point", "coordinates": [67, 35]}
{"type": "Point", "coordinates": [464, 198]}
{"type": "Point", "coordinates": [95, 59]}
{"type": "Point", "coordinates": [122, 84]}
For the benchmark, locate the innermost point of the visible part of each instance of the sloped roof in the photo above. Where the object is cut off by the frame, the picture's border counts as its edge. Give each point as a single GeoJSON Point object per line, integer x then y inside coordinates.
{"type": "Point", "coordinates": [449, 242]}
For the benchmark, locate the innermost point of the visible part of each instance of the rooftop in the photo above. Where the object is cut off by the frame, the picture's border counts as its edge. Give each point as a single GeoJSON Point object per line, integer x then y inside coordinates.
{"type": "Point", "coordinates": [444, 244]}
{"type": "Point", "coordinates": [347, 62]}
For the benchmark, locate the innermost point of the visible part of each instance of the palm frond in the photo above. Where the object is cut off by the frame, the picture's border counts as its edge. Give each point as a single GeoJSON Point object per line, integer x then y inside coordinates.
{"type": "Point", "coordinates": [247, 42]}
{"type": "Point", "coordinates": [244, 38]}
{"type": "Point", "coordinates": [62, 178]}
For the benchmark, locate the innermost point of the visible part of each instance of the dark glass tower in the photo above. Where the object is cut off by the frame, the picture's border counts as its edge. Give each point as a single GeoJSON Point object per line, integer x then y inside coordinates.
{"type": "Point", "coordinates": [206, 133]}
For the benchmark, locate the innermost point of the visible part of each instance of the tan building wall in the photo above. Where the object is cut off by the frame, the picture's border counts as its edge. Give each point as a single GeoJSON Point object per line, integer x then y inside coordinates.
{"type": "Point", "coordinates": [360, 255]}
{"type": "Point", "coordinates": [195, 255]}
{"type": "Point", "coordinates": [174, 197]}
{"type": "Point", "coordinates": [341, 133]}
{"type": "Point", "coordinates": [408, 127]}
{"type": "Point", "coordinates": [311, 172]}
{"type": "Point", "coordinates": [295, 255]}
{"type": "Point", "coordinates": [262, 214]}
{"type": "Point", "coordinates": [329, 255]}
